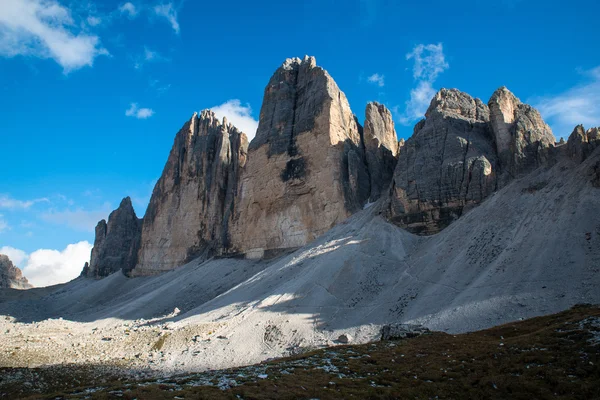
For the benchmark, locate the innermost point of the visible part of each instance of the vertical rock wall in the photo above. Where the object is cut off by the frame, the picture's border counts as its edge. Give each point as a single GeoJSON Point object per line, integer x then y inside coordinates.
{"type": "Point", "coordinates": [192, 203]}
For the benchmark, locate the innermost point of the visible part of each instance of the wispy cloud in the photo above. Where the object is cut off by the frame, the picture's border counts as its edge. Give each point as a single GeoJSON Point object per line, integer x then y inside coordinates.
{"type": "Point", "coordinates": [139, 113]}
{"type": "Point", "coordinates": [3, 224]}
{"type": "Point", "coordinates": [577, 105]}
{"type": "Point", "coordinates": [45, 267]}
{"type": "Point", "coordinates": [429, 62]}
{"type": "Point", "coordinates": [168, 12]}
{"type": "Point", "coordinates": [128, 9]}
{"type": "Point", "coordinates": [46, 29]}
{"type": "Point", "coordinates": [239, 115]}
{"type": "Point", "coordinates": [148, 56]}
{"type": "Point", "coordinates": [94, 21]}
{"type": "Point", "coordinates": [7, 202]}
{"type": "Point", "coordinates": [156, 85]}
{"type": "Point", "coordinates": [377, 79]}
{"type": "Point", "coordinates": [79, 218]}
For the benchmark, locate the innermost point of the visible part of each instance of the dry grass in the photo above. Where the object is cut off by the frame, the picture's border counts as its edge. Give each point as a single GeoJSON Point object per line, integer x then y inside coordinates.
{"type": "Point", "coordinates": [554, 356]}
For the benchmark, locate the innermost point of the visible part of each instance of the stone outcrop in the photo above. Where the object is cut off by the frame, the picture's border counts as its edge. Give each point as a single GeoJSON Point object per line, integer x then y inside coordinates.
{"type": "Point", "coordinates": [116, 244]}
{"type": "Point", "coordinates": [448, 165]}
{"type": "Point", "coordinates": [11, 276]}
{"type": "Point", "coordinates": [522, 137]}
{"type": "Point", "coordinates": [192, 203]}
{"type": "Point", "coordinates": [306, 167]}
{"type": "Point", "coordinates": [582, 143]}
{"type": "Point", "coordinates": [381, 147]}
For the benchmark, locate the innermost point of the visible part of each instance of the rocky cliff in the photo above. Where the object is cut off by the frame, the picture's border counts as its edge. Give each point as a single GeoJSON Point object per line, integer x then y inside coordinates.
{"type": "Point", "coordinates": [311, 165]}
{"type": "Point", "coordinates": [116, 244]}
{"type": "Point", "coordinates": [192, 203]}
{"type": "Point", "coordinates": [447, 165]}
{"type": "Point", "coordinates": [460, 153]}
{"type": "Point", "coordinates": [522, 137]}
{"type": "Point", "coordinates": [582, 143]}
{"type": "Point", "coordinates": [381, 147]}
{"type": "Point", "coordinates": [11, 276]}
{"type": "Point", "coordinates": [307, 169]}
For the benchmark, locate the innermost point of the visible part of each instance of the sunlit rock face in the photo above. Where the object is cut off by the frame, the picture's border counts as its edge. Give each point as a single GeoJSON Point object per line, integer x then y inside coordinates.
{"type": "Point", "coordinates": [523, 140]}
{"type": "Point", "coordinates": [11, 276]}
{"type": "Point", "coordinates": [306, 167]}
{"type": "Point", "coordinates": [381, 148]}
{"type": "Point", "coordinates": [193, 201]}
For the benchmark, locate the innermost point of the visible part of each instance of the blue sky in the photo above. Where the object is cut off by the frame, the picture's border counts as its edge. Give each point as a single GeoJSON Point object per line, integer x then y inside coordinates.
{"type": "Point", "coordinates": [93, 92]}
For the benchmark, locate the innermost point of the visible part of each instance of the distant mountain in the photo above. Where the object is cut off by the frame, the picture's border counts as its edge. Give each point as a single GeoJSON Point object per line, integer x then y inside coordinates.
{"type": "Point", "coordinates": [11, 276]}
{"type": "Point", "coordinates": [312, 165]}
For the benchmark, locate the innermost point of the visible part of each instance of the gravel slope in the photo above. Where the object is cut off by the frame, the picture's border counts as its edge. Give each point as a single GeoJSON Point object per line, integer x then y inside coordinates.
{"type": "Point", "coordinates": [533, 248]}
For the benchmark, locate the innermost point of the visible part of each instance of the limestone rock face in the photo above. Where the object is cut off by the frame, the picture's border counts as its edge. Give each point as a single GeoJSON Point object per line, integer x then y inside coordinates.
{"type": "Point", "coordinates": [11, 276]}
{"type": "Point", "coordinates": [381, 147]}
{"type": "Point", "coordinates": [192, 203]}
{"type": "Point", "coordinates": [522, 137]}
{"type": "Point", "coordinates": [448, 165]}
{"type": "Point", "coordinates": [306, 167]}
{"type": "Point", "coordinates": [116, 244]}
{"type": "Point", "coordinates": [582, 143]}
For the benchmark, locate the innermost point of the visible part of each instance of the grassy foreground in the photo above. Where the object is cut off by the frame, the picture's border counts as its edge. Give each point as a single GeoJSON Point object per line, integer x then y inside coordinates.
{"type": "Point", "coordinates": [548, 357]}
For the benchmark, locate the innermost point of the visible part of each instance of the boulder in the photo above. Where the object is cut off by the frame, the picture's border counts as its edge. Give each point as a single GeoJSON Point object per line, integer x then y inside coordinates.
{"type": "Point", "coordinates": [402, 331]}
{"type": "Point", "coordinates": [11, 276]}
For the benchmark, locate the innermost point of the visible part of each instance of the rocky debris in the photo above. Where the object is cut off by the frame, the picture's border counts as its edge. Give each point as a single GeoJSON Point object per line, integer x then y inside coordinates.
{"type": "Point", "coordinates": [381, 147]}
{"type": "Point", "coordinates": [306, 167]}
{"type": "Point", "coordinates": [193, 201]}
{"type": "Point", "coordinates": [522, 137]}
{"type": "Point", "coordinates": [402, 331]}
{"type": "Point", "coordinates": [116, 243]}
{"type": "Point", "coordinates": [582, 143]}
{"type": "Point", "coordinates": [11, 276]}
{"type": "Point", "coordinates": [448, 165]}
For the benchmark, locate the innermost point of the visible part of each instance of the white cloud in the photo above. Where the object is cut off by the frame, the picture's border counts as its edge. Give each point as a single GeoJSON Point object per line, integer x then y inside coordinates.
{"type": "Point", "coordinates": [168, 12]}
{"type": "Point", "coordinates": [3, 224]}
{"type": "Point", "coordinates": [139, 113]}
{"type": "Point", "coordinates": [148, 56]}
{"type": "Point", "coordinates": [237, 114]}
{"type": "Point", "coordinates": [577, 105]}
{"type": "Point", "coordinates": [45, 29]}
{"type": "Point", "coordinates": [377, 79]}
{"type": "Point", "coordinates": [94, 21]}
{"type": "Point", "coordinates": [78, 219]}
{"type": "Point", "coordinates": [8, 202]}
{"type": "Point", "coordinates": [18, 257]}
{"type": "Point", "coordinates": [129, 9]}
{"type": "Point", "coordinates": [429, 62]}
{"type": "Point", "coordinates": [45, 267]}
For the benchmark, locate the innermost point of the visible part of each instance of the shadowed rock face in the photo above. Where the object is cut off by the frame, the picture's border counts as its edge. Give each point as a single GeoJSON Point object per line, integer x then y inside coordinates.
{"type": "Point", "coordinates": [116, 244]}
{"type": "Point", "coordinates": [192, 203]}
{"type": "Point", "coordinates": [461, 153]}
{"type": "Point", "coordinates": [446, 166]}
{"type": "Point", "coordinates": [522, 137]}
{"type": "Point", "coordinates": [381, 147]}
{"type": "Point", "coordinates": [582, 143]}
{"type": "Point", "coordinates": [306, 167]}
{"type": "Point", "coordinates": [11, 276]}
